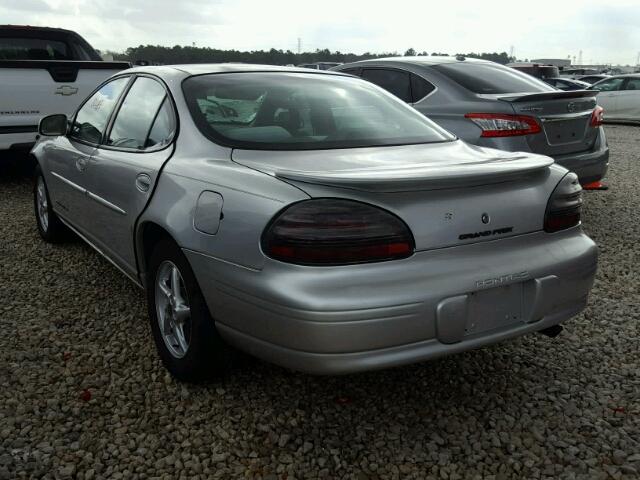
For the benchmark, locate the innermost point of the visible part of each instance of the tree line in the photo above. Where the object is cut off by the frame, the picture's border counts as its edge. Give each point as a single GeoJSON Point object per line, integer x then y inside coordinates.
{"type": "Point", "coordinates": [160, 55]}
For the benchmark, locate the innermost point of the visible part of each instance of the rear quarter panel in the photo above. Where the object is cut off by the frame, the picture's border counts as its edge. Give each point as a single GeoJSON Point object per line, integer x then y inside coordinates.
{"type": "Point", "coordinates": [250, 201]}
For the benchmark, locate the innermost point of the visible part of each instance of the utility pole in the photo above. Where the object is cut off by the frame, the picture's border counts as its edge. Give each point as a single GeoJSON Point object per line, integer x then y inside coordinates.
{"type": "Point", "coordinates": [580, 58]}
{"type": "Point", "coordinates": [299, 45]}
{"type": "Point", "coordinates": [511, 50]}
{"type": "Point", "coordinates": [638, 60]}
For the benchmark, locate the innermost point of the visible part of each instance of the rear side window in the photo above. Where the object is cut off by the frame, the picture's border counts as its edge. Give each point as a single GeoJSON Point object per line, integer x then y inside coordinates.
{"type": "Point", "coordinates": [15, 48]}
{"type": "Point", "coordinates": [163, 127]}
{"type": "Point", "coordinates": [394, 81]}
{"type": "Point", "coordinates": [491, 78]}
{"type": "Point", "coordinates": [609, 85]}
{"type": "Point", "coordinates": [632, 84]}
{"type": "Point", "coordinates": [420, 88]}
{"type": "Point", "coordinates": [351, 71]}
{"type": "Point", "coordinates": [137, 114]}
{"type": "Point", "coordinates": [91, 120]}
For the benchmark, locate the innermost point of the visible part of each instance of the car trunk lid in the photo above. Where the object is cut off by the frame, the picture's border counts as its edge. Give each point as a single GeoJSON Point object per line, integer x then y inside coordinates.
{"type": "Point", "coordinates": [565, 118]}
{"type": "Point", "coordinates": [449, 194]}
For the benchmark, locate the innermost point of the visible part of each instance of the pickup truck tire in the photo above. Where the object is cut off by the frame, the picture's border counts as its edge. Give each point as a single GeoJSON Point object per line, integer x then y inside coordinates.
{"type": "Point", "coordinates": [183, 330]}
{"type": "Point", "coordinates": [51, 229]}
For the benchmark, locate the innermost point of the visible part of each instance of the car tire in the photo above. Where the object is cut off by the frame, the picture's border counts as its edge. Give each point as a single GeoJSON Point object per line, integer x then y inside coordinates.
{"type": "Point", "coordinates": [50, 227]}
{"type": "Point", "coordinates": [187, 341]}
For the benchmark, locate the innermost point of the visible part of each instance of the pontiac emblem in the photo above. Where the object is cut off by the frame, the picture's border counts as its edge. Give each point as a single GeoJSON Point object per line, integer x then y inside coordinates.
{"type": "Point", "coordinates": [485, 218]}
{"type": "Point", "coordinates": [66, 90]}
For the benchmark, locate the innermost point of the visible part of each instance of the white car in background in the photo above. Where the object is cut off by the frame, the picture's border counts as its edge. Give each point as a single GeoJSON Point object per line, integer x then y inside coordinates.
{"type": "Point", "coordinates": [620, 97]}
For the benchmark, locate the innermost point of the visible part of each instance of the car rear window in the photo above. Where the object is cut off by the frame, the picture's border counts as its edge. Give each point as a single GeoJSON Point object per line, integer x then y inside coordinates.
{"type": "Point", "coordinates": [298, 111]}
{"type": "Point", "coordinates": [491, 78]}
{"type": "Point", "coordinates": [15, 48]}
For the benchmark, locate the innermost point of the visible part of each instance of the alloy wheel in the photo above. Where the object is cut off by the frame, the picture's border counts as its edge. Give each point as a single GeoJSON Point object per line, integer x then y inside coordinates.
{"type": "Point", "coordinates": [42, 204]}
{"type": "Point", "coordinates": [172, 309]}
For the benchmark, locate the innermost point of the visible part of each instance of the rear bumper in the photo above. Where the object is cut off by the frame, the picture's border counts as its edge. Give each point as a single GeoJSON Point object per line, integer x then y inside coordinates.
{"type": "Point", "coordinates": [346, 319]}
{"type": "Point", "coordinates": [590, 166]}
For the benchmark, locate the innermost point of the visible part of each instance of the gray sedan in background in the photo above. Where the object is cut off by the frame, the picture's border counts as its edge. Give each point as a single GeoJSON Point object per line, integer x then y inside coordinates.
{"type": "Point", "coordinates": [309, 218]}
{"type": "Point", "coordinates": [491, 105]}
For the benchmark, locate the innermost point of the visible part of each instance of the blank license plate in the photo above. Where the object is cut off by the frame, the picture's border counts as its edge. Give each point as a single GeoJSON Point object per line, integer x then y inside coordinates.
{"type": "Point", "coordinates": [494, 308]}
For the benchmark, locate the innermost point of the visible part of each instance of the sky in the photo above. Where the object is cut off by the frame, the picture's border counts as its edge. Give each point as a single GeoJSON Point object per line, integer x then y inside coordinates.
{"type": "Point", "coordinates": [606, 32]}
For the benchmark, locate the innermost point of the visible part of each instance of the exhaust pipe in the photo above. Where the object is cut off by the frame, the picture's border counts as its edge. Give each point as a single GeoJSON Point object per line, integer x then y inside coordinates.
{"type": "Point", "coordinates": [552, 331]}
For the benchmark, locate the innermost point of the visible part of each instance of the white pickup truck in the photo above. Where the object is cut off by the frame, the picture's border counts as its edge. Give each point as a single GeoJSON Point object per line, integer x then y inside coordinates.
{"type": "Point", "coordinates": [43, 71]}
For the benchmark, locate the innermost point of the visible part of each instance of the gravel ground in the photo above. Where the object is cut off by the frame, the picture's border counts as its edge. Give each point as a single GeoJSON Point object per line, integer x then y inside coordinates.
{"type": "Point", "coordinates": [83, 394]}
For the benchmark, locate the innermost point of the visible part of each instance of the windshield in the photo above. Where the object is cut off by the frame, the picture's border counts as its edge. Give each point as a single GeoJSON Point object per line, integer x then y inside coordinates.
{"type": "Point", "coordinates": [297, 111]}
{"type": "Point", "coordinates": [490, 78]}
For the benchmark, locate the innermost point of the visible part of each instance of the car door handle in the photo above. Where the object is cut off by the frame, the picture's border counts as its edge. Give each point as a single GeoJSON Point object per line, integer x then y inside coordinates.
{"type": "Point", "coordinates": [143, 182]}
{"type": "Point", "coordinates": [81, 163]}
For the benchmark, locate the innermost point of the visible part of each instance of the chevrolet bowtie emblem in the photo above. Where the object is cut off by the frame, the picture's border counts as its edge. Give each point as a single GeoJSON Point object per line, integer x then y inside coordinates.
{"type": "Point", "coordinates": [66, 90]}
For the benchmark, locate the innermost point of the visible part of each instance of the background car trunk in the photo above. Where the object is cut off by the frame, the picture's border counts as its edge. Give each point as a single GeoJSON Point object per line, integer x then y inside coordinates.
{"type": "Point", "coordinates": [565, 120]}
{"type": "Point", "coordinates": [448, 194]}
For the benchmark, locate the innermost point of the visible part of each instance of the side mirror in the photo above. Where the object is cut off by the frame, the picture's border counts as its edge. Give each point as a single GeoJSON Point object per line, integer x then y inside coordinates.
{"type": "Point", "coordinates": [53, 125]}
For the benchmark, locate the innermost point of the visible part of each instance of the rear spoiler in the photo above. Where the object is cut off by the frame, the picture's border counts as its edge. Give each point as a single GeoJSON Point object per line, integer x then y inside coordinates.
{"type": "Point", "coordinates": [533, 97]}
{"type": "Point", "coordinates": [425, 177]}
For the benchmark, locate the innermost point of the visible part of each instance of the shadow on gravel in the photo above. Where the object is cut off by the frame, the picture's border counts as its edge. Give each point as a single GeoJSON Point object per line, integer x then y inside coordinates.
{"type": "Point", "coordinates": [15, 166]}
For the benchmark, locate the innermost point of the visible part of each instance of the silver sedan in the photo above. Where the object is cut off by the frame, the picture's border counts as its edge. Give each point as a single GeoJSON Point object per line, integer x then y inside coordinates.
{"type": "Point", "coordinates": [311, 219]}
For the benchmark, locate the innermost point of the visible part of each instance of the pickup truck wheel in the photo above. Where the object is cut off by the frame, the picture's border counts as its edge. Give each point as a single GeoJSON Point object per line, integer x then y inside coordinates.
{"type": "Point", "coordinates": [184, 332]}
{"type": "Point", "coordinates": [51, 229]}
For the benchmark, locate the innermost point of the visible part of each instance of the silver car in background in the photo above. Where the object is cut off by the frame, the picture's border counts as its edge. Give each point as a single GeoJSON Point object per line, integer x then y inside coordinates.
{"type": "Point", "coordinates": [491, 105]}
{"type": "Point", "coordinates": [309, 218]}
{"type": "Point", "coordinates": [620, 97]}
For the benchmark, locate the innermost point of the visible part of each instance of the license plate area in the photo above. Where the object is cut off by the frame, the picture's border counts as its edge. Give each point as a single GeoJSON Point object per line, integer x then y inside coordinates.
{"type": "Point", "coordinates": [495, 308]}
{"type": "Point", "coordinates": [563, 131]}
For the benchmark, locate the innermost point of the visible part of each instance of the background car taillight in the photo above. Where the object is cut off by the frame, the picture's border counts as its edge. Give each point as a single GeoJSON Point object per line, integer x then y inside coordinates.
{"type": "Point", "coordinates": [504, 125]}
{"type": "Point", "coordinates": [565, 204]}
{"type": "Point", "coordinates": [329, 231]}
{"type": "Point", "coordinates": [597, 116]}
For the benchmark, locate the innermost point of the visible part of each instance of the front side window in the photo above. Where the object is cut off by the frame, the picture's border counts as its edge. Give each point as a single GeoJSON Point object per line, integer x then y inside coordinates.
{"type": "Point", "coordinates": [137, 113]}
{"type": "Point", "coordinates": [91, 120]}
{"type": "Point", "coordinates": [609, 85]}
{"type": "Point", "coordinates": [488, 78]}
{"type": "Point", "coordinates": [297, 111]}
{"type": "Point", "coordinates": [393, 81]}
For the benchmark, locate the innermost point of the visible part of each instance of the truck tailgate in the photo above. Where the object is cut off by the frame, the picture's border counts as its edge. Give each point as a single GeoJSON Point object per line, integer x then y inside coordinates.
{"type": "Point", "coordinates": [31, 90]}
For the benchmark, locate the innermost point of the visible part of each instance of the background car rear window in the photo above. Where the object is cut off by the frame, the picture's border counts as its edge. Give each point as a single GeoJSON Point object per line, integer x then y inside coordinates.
{"type": "Point", "coordinates": [137, 113]}
{"type": "Point", "coordinates": [294, 111]}
{"type": "Point", "coordinates": [92, 117]}
{"type": "Point", "coordinates": [394, 81]}
{"type": "Point", "coordinates": [33, 49]}
{"type": "Point", "coordinates": [491, 79]}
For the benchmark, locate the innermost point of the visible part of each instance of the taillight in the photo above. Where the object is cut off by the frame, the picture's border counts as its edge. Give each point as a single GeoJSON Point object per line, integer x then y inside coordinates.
{"type": "Point", "coordinates": [565, 204]}
{"type": "Point", "coordinates": [504, 125]}
{"type": "Point", "coordinates": [597, 116]}
{"type": "Point", "coordinates": [328, 231]}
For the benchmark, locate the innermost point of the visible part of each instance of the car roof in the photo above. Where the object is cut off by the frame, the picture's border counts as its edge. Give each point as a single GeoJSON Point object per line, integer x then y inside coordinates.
{"type": "Point", "coordinates": [424, 60]}
{"type": "Point", "coordinates": [623, 75]}
{"type": "Point", "coordinates": [205, 68]}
